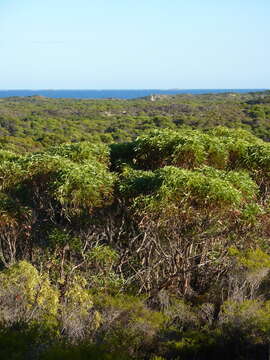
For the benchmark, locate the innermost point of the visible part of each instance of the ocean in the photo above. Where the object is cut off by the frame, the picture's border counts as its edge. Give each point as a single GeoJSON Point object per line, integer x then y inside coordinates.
{"type": "Point", "coordinates": [119, 94]}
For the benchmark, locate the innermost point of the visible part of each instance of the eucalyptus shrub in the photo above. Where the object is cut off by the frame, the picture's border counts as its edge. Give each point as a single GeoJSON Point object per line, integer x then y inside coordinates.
{"type": "Point", "coordinates": [82, 152]}
{"type": "Point", "coordinates": [220, 148]}
{"type": "Point", "coordinates": [174, 187]}
{"type": "Point", "coordinates": [76, 176]}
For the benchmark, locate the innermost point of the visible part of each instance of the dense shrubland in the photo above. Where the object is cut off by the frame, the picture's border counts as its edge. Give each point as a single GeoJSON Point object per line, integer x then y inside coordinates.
{"type": "Point", "coordinates": [153, 249]}
{"type": "Point", "coordinates": [34, 123]}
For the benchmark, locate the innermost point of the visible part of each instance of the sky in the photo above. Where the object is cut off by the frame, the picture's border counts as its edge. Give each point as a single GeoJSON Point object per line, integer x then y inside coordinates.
{"type": "Point", "coordinates": [134, 44]}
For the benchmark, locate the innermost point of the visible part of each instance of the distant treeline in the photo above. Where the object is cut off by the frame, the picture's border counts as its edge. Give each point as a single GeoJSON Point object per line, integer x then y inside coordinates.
{"type": "Point", "coordinates": [33, 123]}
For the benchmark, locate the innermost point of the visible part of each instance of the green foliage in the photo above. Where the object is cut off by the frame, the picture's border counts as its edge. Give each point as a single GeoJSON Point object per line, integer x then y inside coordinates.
{"type": "Point", "coordinates": [10, 174]}
{"type": "Point", "coordinates": [85, 187]}
{"type": "Point", "coordinates": [122, 153]}
{"type": "Point", "coordinates": [180, 315]}
{"type": "Point", "coordinates": [26, 296]}
{"type": "Point", "coordinates": [82, 152]}
{"type": "Point", "coordinates": [206, 187]}
{"type": "Point", "coordinates": [60, 239]}
{"type": "Point", "coordinates": [137, 182]}
{"type": "Point", "coordinates": [33, 123]}
{"type": "Point", "coordinates": [7, 155]}
{"type": "Point", "coordinates": [251, 212]}
{"type": "Point", "coordinates": [155, 247]}
{"type": "Point", "coordinates": [251, 259]}
{"type": "Point", "coordinates": [220, 148]}
{"type": "Point", "coordinates": [257, 157]}
{"type": "Point", "coordinates": [193, 344]}
{"type": "Point", "coordinates": [133, 327]}
{"type": "Point", "coordinates": [80, 185]}
{"type": "Point", "coordinates": [190, 154]}
{"type": "Point", "coordinates": [103, 256]}
{"type": "Point", "coordinates": [251, 318]}
{"type": "Point", "coordinates": [103, 259]}
{"type": "Point", "coordinates": [77, 321]}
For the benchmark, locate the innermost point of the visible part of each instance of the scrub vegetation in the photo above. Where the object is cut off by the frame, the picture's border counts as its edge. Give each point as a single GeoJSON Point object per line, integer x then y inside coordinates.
{"type": "Point", "coordinates": [34, 123]}
{"type": "Point", "coordinates": [117, 246]}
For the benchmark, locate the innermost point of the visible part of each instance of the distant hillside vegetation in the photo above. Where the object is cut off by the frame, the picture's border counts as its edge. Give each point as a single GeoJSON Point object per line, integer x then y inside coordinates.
{"type": "Point", "coordinates": [34, 123]}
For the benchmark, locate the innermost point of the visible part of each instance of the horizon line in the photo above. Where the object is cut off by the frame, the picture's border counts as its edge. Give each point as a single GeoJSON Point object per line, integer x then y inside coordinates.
{"type": "Point", "coordinates": [131, 89]}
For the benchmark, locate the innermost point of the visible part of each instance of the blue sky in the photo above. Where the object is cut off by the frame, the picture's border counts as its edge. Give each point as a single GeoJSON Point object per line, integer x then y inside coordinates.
{"type": "Point", "coordinates": [116, 44]}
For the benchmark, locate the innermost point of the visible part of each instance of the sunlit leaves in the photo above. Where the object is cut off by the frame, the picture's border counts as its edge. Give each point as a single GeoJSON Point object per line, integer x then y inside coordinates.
{"type": "Point", "coordinates": [26, 296]}
{"type": "Point", "coordinates": [205, 187]}
{"type": "Point", "coordinates": [76, 176]}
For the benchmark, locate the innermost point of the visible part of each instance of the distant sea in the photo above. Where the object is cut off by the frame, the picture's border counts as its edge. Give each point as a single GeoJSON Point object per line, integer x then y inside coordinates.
{"type": "Point", "coordinates": [119, 94]}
